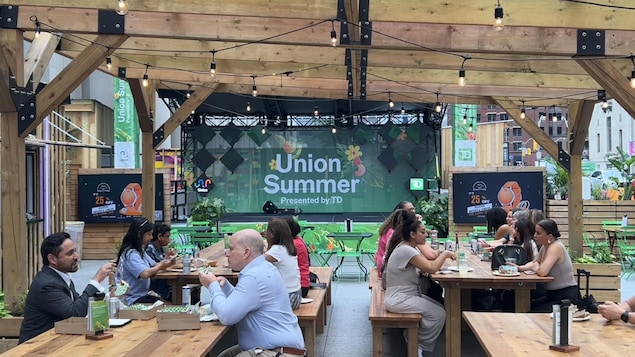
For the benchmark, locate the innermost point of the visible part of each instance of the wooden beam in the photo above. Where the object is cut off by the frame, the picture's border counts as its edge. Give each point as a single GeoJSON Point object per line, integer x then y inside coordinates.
{"type": "Point", "coordinates": [576, 225]}
{"type": "Point", "coordinates": [6, 102]}
{"type": "Point", "coordinates": [12, 47]}
{"type": "Point", "coordinates": [580, 114]}
{"type": "Point", "coordinates": [609, 78]}
{"type": "Point", "coordinates": [143, 97]}
{"type": "Point", "coordinates": [528, 126]}
{"type": "Point", "coordinates": [13, 172]}
{"type": "Point", "coordinates": [185, 110]}
{"type": "Point", "coordinates": [72, 76]}
{"type": "Point", "coordinates": [38, 57]}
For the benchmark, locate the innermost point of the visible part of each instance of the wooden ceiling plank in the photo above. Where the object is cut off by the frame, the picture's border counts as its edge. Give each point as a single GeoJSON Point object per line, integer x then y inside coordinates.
{"type": "Point", "coordinates": [580, 114]}
{"type": "Point", "coordinates": [609, 78]}
{"type": "Point", "coordinates": [72, 76]}
{"type": "Point", "coordinates": [282, 91]}
{"type": "Point", "coordinates": [194, 101]}
{"type": "Point", "coordinates": [272, 8]}
{"type": "Point", "coordinates": [528, 126]}
{"type": "Point", "coordinates": [8, 39]}
{"type": "Point", "coordinates": [143, 97]}
{"type": "Point", "coordinates": [11, 45]}
{"type": "Point", "coordinates": [39, 55]}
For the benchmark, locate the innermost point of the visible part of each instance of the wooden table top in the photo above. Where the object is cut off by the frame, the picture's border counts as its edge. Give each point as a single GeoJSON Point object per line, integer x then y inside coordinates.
{"type": "Point", "coordinates": [513, 334]}
{"type": "Point", "coordinates": [483, 274]}
{"type": "Point", "coordinates": [138, 338]}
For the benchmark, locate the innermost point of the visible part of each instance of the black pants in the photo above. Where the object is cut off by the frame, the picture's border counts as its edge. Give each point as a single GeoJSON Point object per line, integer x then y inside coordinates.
{"type": "Point", "coordinates": [305, 292]}
{"type": "Point", "coordinates": [554, 297]}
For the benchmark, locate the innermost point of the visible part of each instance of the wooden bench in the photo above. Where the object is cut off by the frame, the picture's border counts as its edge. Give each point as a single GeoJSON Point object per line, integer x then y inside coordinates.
{"type": "Point", "coordinates": [313, 316]}
{"type": "Point", "coordinates": [380, 319]}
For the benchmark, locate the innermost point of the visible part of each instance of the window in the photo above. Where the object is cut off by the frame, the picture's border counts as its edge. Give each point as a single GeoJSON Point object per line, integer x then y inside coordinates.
{"type": "Point", "coordinates": [491, 106]}
{"type": "Point", "coordinates": [478, 117]}
{"type": "Point", "coordinates": [491, 117]}
{"type": "Point", "coordinates": [598, 142]}
{"type": "Point", "coordinates": [31, 172]}
{"type": "Point", "coordinates": [517, 146]}
{"type": "Point", "coordinates": [620, 140]}
{"type": "Point", "coordinates": [551, 131]}
{"type": "Point", "coordinates": [609, 137]}
{"type": "Point", "coordinates": [517, 131]}
{"type": "Point", "coordinates": [559, 131]}
{"type": "Point", "coordinates": [504, 116]}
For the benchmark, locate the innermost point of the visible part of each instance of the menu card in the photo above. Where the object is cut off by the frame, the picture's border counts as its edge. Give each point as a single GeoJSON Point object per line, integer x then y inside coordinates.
{"type": "Point", "coordinates": [98, 316]}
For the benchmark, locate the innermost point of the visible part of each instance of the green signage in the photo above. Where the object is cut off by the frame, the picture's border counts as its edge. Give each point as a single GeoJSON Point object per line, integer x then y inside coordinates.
{"type": "Point", "coordinates": [416, 184]}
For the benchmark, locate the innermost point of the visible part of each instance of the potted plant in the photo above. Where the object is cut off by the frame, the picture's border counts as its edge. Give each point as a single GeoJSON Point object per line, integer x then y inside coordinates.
{"type": "Point", "coordinates": [208, 210]}
{"type": "Point", "coordinates": [434, 212]}
{"type": "Point", "coordinates": [605, 281]}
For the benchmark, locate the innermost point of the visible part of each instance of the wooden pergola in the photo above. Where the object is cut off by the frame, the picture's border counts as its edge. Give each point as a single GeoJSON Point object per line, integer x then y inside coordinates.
{"type": "Point", "coordinates": [549, 53]}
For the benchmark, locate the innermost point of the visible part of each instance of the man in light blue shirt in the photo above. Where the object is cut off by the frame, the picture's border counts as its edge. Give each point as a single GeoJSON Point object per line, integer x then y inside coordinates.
{"type": "Point", "coordinates": [258, 305]}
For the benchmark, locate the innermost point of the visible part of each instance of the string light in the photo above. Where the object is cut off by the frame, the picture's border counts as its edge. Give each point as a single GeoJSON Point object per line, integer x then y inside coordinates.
{"type": "Point", "coordinates": [248, 106]}
{"type": "Point", "coordinates": [38, 28]}
{"type": "Point", "coordinates": [254, 90]}
{"type": "Point", "coordinates": [554, 118]}
{"type": "Point", "coordinates": [316, 112]}
{"type": "Point", "coordinates": [212, 66]}
{"type": "Point", "coordinates": [333, 34]}
{"type": "Point", "coordinates": [263, 131]}
{"type": "Point", "coordinates": [189, 91]}
{"type": "Point", "coordinates": [498, 17]}
{"type": "Point", "coordinates": [109, 62]}
{"type": "Point", "coordinates": [391, 104]}
{"type": "Point", "coordinates": [602, 97]}
{"type": "Point", "coordinates": [522, 110]}
{"type": "Point", "coordinates": [632, 81]}
{"type": "Point", "coordinates": [437, 105]}
{"type": "Point", "coordinates": [122, 7]}
{"type": "Point", "coordinates": [145, 77]}
{"type": "Point", "coordinates": [471, 128]}
{"type": "Point", "coordinates": [464, 118]}
{"type": "Point", "coordinates": [403, 110]}
{"type": "Point", "coordinates": [333, 129]}
{"type": "Point", "coordinates": [462, 77]}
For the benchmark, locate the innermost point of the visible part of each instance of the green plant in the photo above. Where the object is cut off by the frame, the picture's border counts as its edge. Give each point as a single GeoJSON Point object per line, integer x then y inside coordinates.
{"type": "Point", "coordinates": [557, 180]}
{"type": "Point", "coordinates": [622, 161]}
{"type": "Point", "coordinates": [208, 209]}
{"type": "Point", "coordinates": [434, 212]}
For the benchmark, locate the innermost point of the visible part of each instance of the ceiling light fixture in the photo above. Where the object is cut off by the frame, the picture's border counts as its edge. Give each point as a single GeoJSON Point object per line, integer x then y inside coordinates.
{"type": "Point", "coordinates": [437, 105]}
{"type": "Point", "coordinates": [522, 110]}
{"type": "Point", "coordinates": [333, 34]}
{"type": "Point", "coordinates": [145, 77]}
{"type": "Point", "coordinates": [212, 66]}
{"type": "Point", "coordinates": [254, 90]}
{"type": "Point", "coordinates": [122, 7]}
{"type": "Point", "coordinates": [498, 17]}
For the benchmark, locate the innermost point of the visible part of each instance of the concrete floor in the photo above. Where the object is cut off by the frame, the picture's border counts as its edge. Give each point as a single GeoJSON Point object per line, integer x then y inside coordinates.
{"type": "Point", "coordinates": [348, 332]}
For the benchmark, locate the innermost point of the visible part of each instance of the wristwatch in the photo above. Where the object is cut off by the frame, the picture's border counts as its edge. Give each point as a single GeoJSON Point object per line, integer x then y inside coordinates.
{"type": "Point", "coordinates": [624, 316]}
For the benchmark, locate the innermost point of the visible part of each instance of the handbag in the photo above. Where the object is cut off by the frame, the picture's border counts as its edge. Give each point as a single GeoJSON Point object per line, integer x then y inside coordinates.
{"type": "Point", "coordinates": [587, 302]}
{"type": "Point", "coordinates": [503, 252]}
{"type": "Point", "coordinates": [431, 288]}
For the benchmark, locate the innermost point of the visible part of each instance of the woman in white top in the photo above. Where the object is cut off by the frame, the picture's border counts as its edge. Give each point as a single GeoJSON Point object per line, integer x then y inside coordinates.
{"type": "Point", "coordinates": [282, 255]}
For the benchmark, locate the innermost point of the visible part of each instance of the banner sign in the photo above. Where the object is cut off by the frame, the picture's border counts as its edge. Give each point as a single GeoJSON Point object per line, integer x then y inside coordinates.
{"type": "Point", "coordinates": [464, 134]}
{"type": "Point", "coordinates": [126, 155]}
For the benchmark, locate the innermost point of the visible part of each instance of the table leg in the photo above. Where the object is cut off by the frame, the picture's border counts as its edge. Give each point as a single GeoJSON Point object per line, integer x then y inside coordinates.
{"type": "Point", "coordinates": [177, 294]}
{"type": "Point", "coordinates": [523, 300]}
{"type": "Point", "coordinates": [337, 267]}
{"type": "Point", "coordinates": [378, 341]}
{"type": "Point", "coordinates": [362, 267]}
{"type": "Point", "coordinates": [453, 321]}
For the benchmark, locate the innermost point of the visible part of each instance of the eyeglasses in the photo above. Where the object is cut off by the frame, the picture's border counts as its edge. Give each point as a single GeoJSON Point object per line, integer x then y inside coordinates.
{"type": "Point", "coordinates": [144, 222]}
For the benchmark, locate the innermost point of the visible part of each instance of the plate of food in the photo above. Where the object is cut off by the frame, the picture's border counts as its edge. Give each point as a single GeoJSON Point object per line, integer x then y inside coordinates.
{"type": "Point", "coordinates": [511, 273]}
{"type": "Point", "coordinates": [578, 316]}
{"type": "Point", "coordinates": [180, 270]}
{"type": "Point", "coordinates": [118, 322]}
{"type": "Point", "coordinates": [306, 300]}
{"type": "Point", "coordinates": [455, 268]}
{"type": "Point", "coordinates": [209, 317]}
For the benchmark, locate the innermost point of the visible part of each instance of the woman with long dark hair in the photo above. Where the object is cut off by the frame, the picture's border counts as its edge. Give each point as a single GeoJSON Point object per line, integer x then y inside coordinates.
{"type": "Point", "coordinates": [524, 235]}
{"type": "Point", "coordinates": [283, 255]}
{"type": "Point", "coordinates": [135, 266]}
{"type": "Point", "coordinates": [404, 263]}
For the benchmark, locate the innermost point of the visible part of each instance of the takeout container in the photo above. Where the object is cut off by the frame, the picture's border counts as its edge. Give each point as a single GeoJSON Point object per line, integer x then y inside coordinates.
{"type": "Point", "coordinates": [139, 314]}
{"type": "Point", "coordinates": [173, 321]}
{"type": "Point", "coordinates": [72, 326]}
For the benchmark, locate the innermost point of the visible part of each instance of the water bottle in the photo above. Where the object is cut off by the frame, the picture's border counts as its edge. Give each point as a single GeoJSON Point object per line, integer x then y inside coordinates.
{"type": "Point", "coordinates": [461, 260]}
{"type": "Point", "coordinates": [196, 251]}
{"type": "Point", "coordinates": [187, 264]}
{"type": "Point", "coordinates": [555, 327]}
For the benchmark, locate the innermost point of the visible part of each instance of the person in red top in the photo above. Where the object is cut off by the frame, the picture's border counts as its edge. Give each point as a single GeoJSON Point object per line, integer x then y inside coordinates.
{"type": "Point", "coordinates": [303, 256]}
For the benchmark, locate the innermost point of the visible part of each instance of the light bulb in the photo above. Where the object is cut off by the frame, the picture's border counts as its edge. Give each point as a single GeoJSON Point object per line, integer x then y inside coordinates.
{"type": "Point", "coordinates": [633, 78]}
{"type": "Point", "coordinates": [188, 94]}
{"type": "Point", "coordinates": [403, 110]}
{"type": "Point", "coordinates": [391, 103]}
{"type": "Point", "coordinates": [333, 130]}
{"type": "Point", "coordinates": [470, 128]}
{"type": "Point", "coordinates": [145, 80]}
{"type": "Point", "coordinates": [462, 79]}
{"type": "Point", "coordinates": [254, 91]}
{"type": "Point", "coordinates": [554, 118]}
{"type": "Point", "coordinates": [315, 111]}
{"type": "Point", "coordinates": [108, 63]}
{"type": "Point", "coordinates": [37, 30]}
{"type": "Point", "coordinates": [522, 113]}
{"type": "Point", "coordinates": [122, 7]}
{"type": "Point", "coordinates": [605, 104]}
{"type": "Point", "coordinates": [465, 119]}
{"type": "Point", "coordinates": [333, 38]}
{"type": "Point", "coordinates": [212, 68]}
{"type": "Point", "coordinates": [437, 107]}
{"type": "Point", "coordinates": [263, 131]}
{"type": "Point", "coordinates": [248, 106]}
{"type": "Point", "coordinates": [498, 18]}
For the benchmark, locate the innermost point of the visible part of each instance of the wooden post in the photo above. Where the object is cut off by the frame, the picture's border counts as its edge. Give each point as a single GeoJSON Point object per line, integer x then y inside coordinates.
{"type": "Point", "coordinates": [575, 205]}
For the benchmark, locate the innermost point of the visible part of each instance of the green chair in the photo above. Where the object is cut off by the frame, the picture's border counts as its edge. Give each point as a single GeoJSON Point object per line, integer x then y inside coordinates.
{"type": "Point", "coordinates": [318, 246]}
{"type": "Point", "coordinates": [479, 229]}
{"type": "Point", "coordinates": [626, 252]}
{"type": "Point", "coordinates": [199, 224]}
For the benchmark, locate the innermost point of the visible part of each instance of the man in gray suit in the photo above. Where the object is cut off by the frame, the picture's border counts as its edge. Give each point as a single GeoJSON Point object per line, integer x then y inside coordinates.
{"type": "Point", "coordinates": [52, 296]}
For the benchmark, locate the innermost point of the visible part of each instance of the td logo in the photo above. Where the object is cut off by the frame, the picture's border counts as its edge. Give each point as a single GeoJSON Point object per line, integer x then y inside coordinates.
{"type": "Point", "coordinates": [465, 155]}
